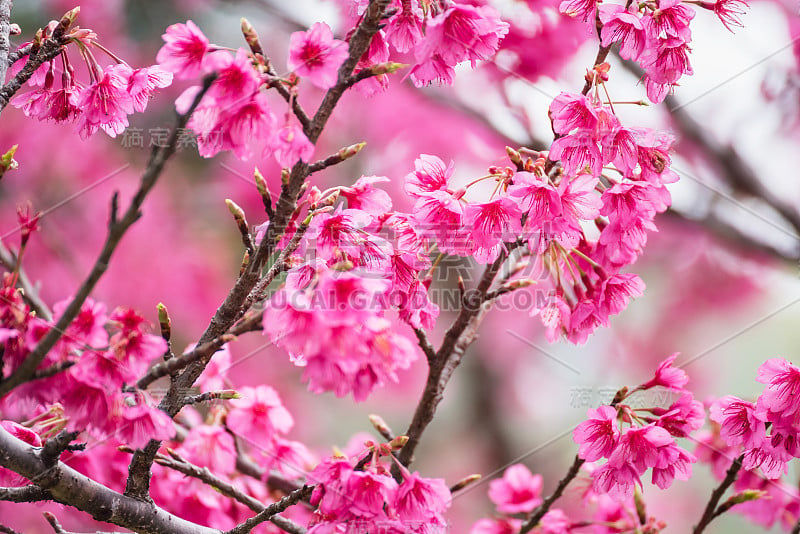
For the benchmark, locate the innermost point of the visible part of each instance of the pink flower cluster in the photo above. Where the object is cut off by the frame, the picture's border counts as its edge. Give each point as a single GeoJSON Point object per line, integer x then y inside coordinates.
{"type": "Point", "coordinates": [359, 495]}
{"type": "Point", "coordinates": [766, 431]}
{"type": "Point", "coordinates": [518, 493]}
{"type": "Point", "coordinates": [235, 111]}
{"type": "Point", "coordinates": [433, 37]}
{"type": "Point", "coordinates": [549, 214]}
{"type": "Point", "coordinates": [634, 440]}
{"type": "Point", "coordinates": [112, 93]}
{"type": "Point", "coordinates": [253, 426]}
{"type": "Point", "coordinates": [106, 353]}
{"type": "Point", "coordinates": [656, 35]}
{"type": "Point", "coordinates": [764, 434]}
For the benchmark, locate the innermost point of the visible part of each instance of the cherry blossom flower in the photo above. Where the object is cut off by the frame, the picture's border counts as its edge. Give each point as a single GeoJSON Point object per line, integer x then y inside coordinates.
{"type": "Point", "coordinates": [598, 436]}
{"type": "Point", "coordinates": [404, 30]}
{"type": "Point", "coordinates": [422, 499]}
{"type": "Point", "coordinates": [496, 526]}
{"type": "Point", "coordinates": [625, 27]}
{"type": "Point", "coordinates": [667, 375]}
{"type": "Point", "coordinates": [490, 225]}
{"type": "Point", "coordinates": [672, 19]}
{"type": "Point", "coordinates": [259, 415]}
{"type": "Point", "coordinates": [316, 55]}
{"type": "Point", "coordinates": [143, 81]}
{"type": "Point", "coordinates": [518, 490]}
{"type": "Point", "coordinates": [459, 33]}
{"type": "Point", "coordinates": [290, 145]}
{"type": "Point", "coordinates": [363, 196]}
{"type": "Point", "coordinates": [184, 51]}
{"type": "Point", "coordinates": [728, 11]}
{"type": "Point", "coordinates": [781, 397]}
{"type": "Point", "coordinates": [738, 422]}
{"type": "Point", "coordinates": [140, 423]}
{"type": "Point", "coordinates": [580, 9]}
{"type": "Point", "coordinates": [105, 104]}
{"type": "Point", "coordinates": [430, 174]}
{"type": "Point", "coordinates": [9, 478]}
{"type": "Point", "coordinates": [569, 111]}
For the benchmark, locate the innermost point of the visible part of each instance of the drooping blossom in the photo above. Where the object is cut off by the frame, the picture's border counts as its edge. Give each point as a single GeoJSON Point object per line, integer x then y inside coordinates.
{"type": "Point", "coordinates": [667, 375]}
{"type": "Point", "coordinates": [184, 51]}
{"type": "Point", "coordinates": [105, 104]}
{"type": "Point", "coordinates": [459, 33]}
{"type": "Point", "coordinates": [738, 422]}
{"type": "Point", "coordinates": [143, 81]}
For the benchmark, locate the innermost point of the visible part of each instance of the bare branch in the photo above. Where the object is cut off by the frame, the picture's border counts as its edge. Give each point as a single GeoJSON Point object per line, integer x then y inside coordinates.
{"type": "Point", "coordinates": [273, 509]}
{"type": "Point", "coordinates": [5, 34]}
{"type": "Point", "coordinates": [8, 530]}
{"type": "Point", "coordinates": [72, 488]}
{"type": "Point", "coordinates": [442, 364]}
{"type": "Point", "coordinates": [29, 493]}
{"type": "Point", "coordinates": [176, 462]}
{"type": "Point", "coordinates": [710, 511]}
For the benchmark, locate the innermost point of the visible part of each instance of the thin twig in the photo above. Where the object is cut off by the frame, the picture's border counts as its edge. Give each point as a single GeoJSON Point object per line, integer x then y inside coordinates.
{"type": "Point", "coordinates": [249, 323]}
{"type": "Point", "coordinates": [446, 359]}
{"type": "Point", "coordinates": [210, 396]}
{"type": "Point", "coordinates": [5, 35]}
{"type": "Point", "coordinates": [270, 511]}
{"type": "Point", "coordinates": [710, 511]}
{"type": "Point", "coordinates": [543, 508]}
{"type": "Point", "coordinates": [58, 529]}
{"type": "Point", "coordinates": [177, 463]}
{"type": "Point", "coordinates": [425, 344]}
{"type": "Point", "coordinates": [53, 370]}
{"type": "Point", "coordinates": [573, 471]}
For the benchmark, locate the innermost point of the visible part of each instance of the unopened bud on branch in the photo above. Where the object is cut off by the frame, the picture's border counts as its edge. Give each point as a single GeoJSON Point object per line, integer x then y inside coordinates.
{"type": "Point", "coordinates": [164, 321]}
{"type": "Point", "coordinates": [251, 37]}
{"type": "Point", "coordinates": [380, 425]}
{"type": "Point", "coordinates": [398, 443]}
{"type": "Point", "coordinates": [464, 482]}
{"type": "Point", "coordinates": [7, 161]}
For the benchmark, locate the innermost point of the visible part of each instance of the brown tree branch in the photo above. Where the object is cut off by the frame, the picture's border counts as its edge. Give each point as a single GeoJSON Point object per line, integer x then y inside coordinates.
{"type": "Point", "coordinates": [232, 307]}
{"type": "Point", "coordinates": [72, 488]}
{"type": "Point", "coordinates": [270, 512]}
{"type": "Point", "coordinates": [5, 36]}
{"type": "Point", "coordinates": [48, 50]}
{"type": "Point", "coordinates": [456, 340]}
{"type": "Point", "coordinates": [176, 462]}
{"type": "Point", "coordinates": [29, 493]}
{"type": "Point", "coordinates": [711, 507]}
